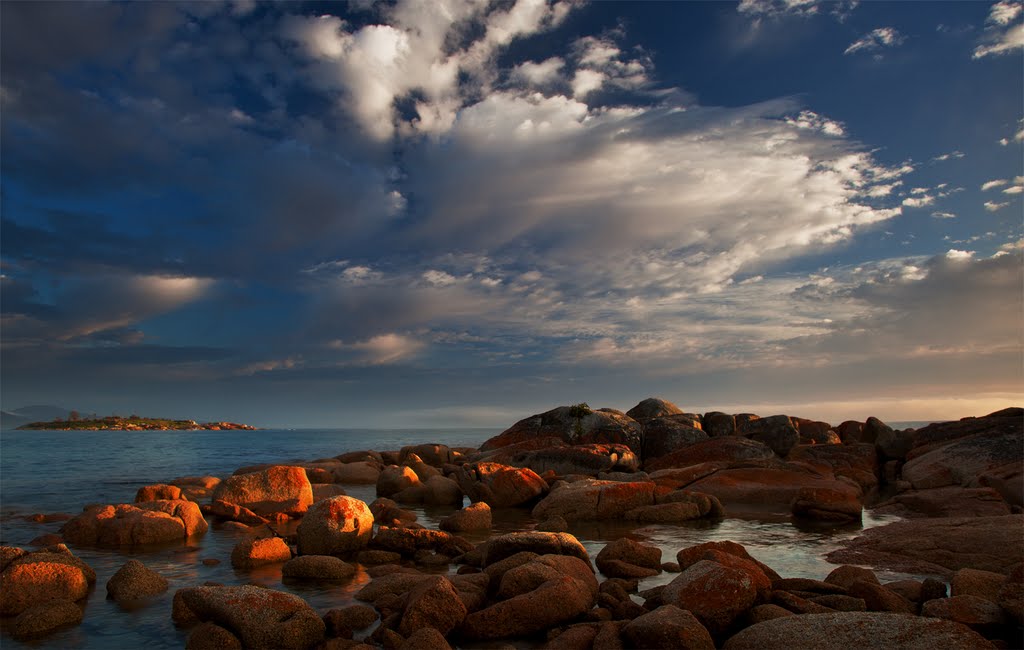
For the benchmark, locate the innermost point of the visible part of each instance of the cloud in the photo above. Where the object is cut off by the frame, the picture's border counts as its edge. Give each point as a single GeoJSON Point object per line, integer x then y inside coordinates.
{"type": "Point", "coordinates": [376, 66]}
{"type": "Point", "coordinates": [949, 156]}
{"type": "Point", "coordinates": [1017, 187]}
{"type": "Point", "coordinates": [775, 9]}
{"type": "Point", "coordinates": [993, 206]}
{"type": "Point", "coordinates": [383, 349]}
{"type": "Point", "coordinates": [918, 201]}
{"type": "Point", "coordinates": [993, 184]}
{"type": "Point", "coordinates": [943, 215]}
{"type": "Point", "coordinates": [539, 74]}
{"type": "Point", "coordinates": [1001, 36]}
{"type": "Point", "coordinates": [876, 39]}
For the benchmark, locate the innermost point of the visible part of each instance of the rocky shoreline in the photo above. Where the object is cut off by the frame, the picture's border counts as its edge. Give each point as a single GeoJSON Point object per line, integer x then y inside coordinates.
{"type": "Point", "coordinates": [958, 487]}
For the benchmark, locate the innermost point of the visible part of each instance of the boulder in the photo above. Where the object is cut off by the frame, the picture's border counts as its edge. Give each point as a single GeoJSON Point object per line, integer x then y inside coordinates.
{"type": "Point", "coordinates": [844, 576]}
{"type": "Point", "coordinates": [386, 512]}
{"type": "Point", "coordinates": [951, 501]}
{"type": "Point", "coordinates": [717, 424]}
{"type": "Point", "coordinates": [729, 449]}
{"type": "Point", "coordinates": [537, 570]}
{"type": "Point", "coordinates": [827, 504]}
{"type": "Point", "coordinates": [850, 432]}
{"type": "Point", "coordinates": [717, 595]}
{"type": "Point", "coordinates": [774, 489]}
{"type": "Point", "coordinates": [260, 618]}
{"type": "Point", "coordinates": [590, 499]}
{"type": "Point", "coordinates": [425, 638]}
{"type": "Point", "coordinates": [668, 628]}
{"type": "Point", "coordinates": [572, 425]}
{"type": "Point", "coordinates": [158, 491]}
{"type": "Point", "coordinates": [500, 486]}
{"type": "Point", "coordinates": [939, 546]}
{"type": "Point", "coordinates": [473, 517]}
{"type": "Point", "coordinates": [323, 491]}
{"type": "Point", "coordinates": [44, 619]}
{"type": "Point", "coordinates": [408, 541]}
{"type": "Point", "coordinates": [872, 428]}
{"type": "Point", "coordinates": [344, 621]}
{"type": "Point", "coordinates": [651, 408]}
{"type": "Point", "coordinates": [587, 459]}
{"type": "Point", "coordinates": [334, 526]}
{"type": "Point", "coordinates": [553, 603]}
{"type": "Point", "coordinates": [813, 432]}
{"type": "Point", "coordinates": [690, 555]}
{"type": "Point", "coordinates": [357, 473]}
{"type": "Point", "coordinates": [148, 522]}
{"type": "Point", "coordinates": [434, 491]}
{"type": "Point", "coordinates": [251, 553]}
{"type": "Point", "coordinates": [235, 513]}
{"type": "Point", "coordinates": [394, 479]}
{"type": "Point", "coordinates": [626, 558]}
{"type": "Point", "coordinates": [366, 455]}
{"type": "Point", "coordinates": [892, 444]}
{"type": "Point", "coordinates": [846, 630]}
{"type": "Point", "coordinates": [776, 432]}
{"type": "Point", "coordinates": [879, 599]}
{"type": "Point", "coordinates": [210, 636]}
{"type": "Point", "coordinates": [972, 582]}
{"type": "Point", "coordinates": [1011, 595]}
{"type": "Point", "coordinates": [276, 489]}
{"type": "Point", "coordinates": [976, 613]}
{"type": "Point", "coordinates": [541, 543]}
{"type": "Point", "coordinates": [430, 453]}
{"type": "Point", "coordinates": [38, 577]}
{"type": "Point", "coordinates": [135, 581]}
{"type": "Point", "coordinates": [665, 435]}
{"type": "Point", "coordinates": [433, 602]}
{"type": "Point", "coordinates": [996, 453]}
{"type": "Point", "coordinates": [317, 567]}
{"type": "Point", "coordinates": [856, 461]}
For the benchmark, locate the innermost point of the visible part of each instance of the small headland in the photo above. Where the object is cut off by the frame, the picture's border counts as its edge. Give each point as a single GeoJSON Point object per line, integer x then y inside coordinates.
{"type": "Point", "coordinates": [132, 423]}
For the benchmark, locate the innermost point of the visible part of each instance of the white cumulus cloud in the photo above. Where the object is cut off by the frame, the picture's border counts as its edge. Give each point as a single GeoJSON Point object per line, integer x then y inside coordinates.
{"type": "Point", "coordinates": [876, 39]}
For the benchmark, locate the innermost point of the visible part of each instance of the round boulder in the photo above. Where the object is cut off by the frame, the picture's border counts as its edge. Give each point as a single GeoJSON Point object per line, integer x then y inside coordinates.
{"type": "Point", "coordinates": [251, 553]}
{"type": "Point", "coordinates": [135, 581]}
{"type": "Point", "coordinates": [333, 526]}
{"type": "Point", "coordinates": [317, 567]}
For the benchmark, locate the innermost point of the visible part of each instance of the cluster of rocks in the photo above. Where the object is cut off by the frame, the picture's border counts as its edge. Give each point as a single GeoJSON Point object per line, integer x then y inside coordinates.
{"type": "Point", "coordinates": [652, 464]}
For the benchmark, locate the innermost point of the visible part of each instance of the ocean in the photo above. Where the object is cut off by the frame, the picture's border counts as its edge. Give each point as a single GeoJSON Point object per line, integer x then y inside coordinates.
{"type": "Point", "coordinates": [62, 471]}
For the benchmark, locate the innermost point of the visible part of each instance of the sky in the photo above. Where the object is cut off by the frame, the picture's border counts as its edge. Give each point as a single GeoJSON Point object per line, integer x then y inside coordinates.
{"type": "Point", "coordinates": [460, 213]}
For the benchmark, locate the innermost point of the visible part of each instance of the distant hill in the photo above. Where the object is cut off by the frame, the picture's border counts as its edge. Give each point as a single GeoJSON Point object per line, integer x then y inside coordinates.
{"type": "Point", "coordinates": [24, 415]}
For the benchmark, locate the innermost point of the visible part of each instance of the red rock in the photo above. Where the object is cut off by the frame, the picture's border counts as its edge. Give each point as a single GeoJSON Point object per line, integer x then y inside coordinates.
{"type": "Point", "coordinates": [668, 627]}
{"type": "Point", "coordinates": [689, 556]}
{"type": "Point", "coordinates": [850, 432]}
{"type": "Point", "coordinates": [553, 603]}
{"type": "Point", "coordinates": [276, 489]}
{"type": "Point", "coordinates": [388, 513]}
{"type": "Point", "coordinates": [729, 449]}
{"type": "Point", "coordinates": [857, 461]}
{"type": "Point", "coordinates": [717, 424]}
{"type": "Point", "coordinates": [30, 582]}
{"type": "Point", "coordinates": [591, 499]}
{"type": "Point", "coordinates": [879, 599]}
{"type": "Point", "coordinates": [45, 618]}
{"type": "Point", "coordinates": [846, 630]}
{"type": "Point", "coordinates": [562, 423]}
{"type": "Point", "coordinates": [951, 501]}
{"type": "Point", "coordinates": [500, 486]}
{"type": "Point", "coordinates": [343, 622]}
{"type": "Point", "coordinates": [622, 558]}
{"type": "Point", "coordinates": [432, 603]}
{"type": "Point", "coordinates": [844, 576]}
{"type": "Point", "coordinates": [149, 522]}
{"type": "Point", "coordinates": [767, 612]}
{"type": "Point", "coordinates": [393, 479]}
{"type": "Point", "coordinates": [587, 459]}
{"type": "Point", "coordinates": [503, 546]}
{"type": "Point", "coordinates": [974, 612]}
{"type": "Point", "coordinates": [158, 491]}
{"type": "Point", "coordinates": [317, 567]}
{"type": "Point", "coordinates": [357, 473]}
{"type": "Point", "coordinates": [260, 618]}
{"type": "Point", "coordinates": [473, 517]}
{"type": "Point", "coordinates": [666, 435]}
{"type": "Point", "coordinates": [251, 553]}
{"type": "Point", "coordinates": [425, 638]}
{"type": "Point", "coordinates": [235, 512]}
{"type": "Point", "coordinates": [768, 489]}
{"type": "Point", "coordinates": [408, 541]}
{"type": "Point", "coordinates": [961, 453]}
{"type": "Point", "coordinates": [940, 546]}
{"type": "Point", "coordinates": [775, 431]}
{"type": "Point", "coordinates": [827, 504]}
{"type": "Point", "coordinates": [653, 407]}
{"type": "Point", "coordinates": [972, 582]}
{"type": "Point", "coordinates": [715, 594]}
{"type": "Point", "coordinates": [430, 453]}
{"type": "Point", "coordinates": [333, 526]}
{"type": "Point", "coordinates": [532, 574]}
{"type": "Point", "coordinates": [813, 432]}
{"type": "Point", "coordinates": [135, 581]}
{"type": "Point", "coordinates": [210, 636]}
{"type": "Point", "coordinates": [435, 491]}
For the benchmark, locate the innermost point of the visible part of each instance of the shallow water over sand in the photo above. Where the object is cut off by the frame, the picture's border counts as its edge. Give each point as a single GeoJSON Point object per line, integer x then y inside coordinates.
{"type": "Point", "coordinates": [62, 471]}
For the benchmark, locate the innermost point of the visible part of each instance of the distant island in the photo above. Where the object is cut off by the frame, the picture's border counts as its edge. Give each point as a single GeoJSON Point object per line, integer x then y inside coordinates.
{"type": "Point", "coordinates": [131, 423]}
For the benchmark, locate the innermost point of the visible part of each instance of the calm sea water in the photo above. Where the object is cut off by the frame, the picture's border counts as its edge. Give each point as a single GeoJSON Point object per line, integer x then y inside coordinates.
{"type": "Point", "coordinates": [62, 471]}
